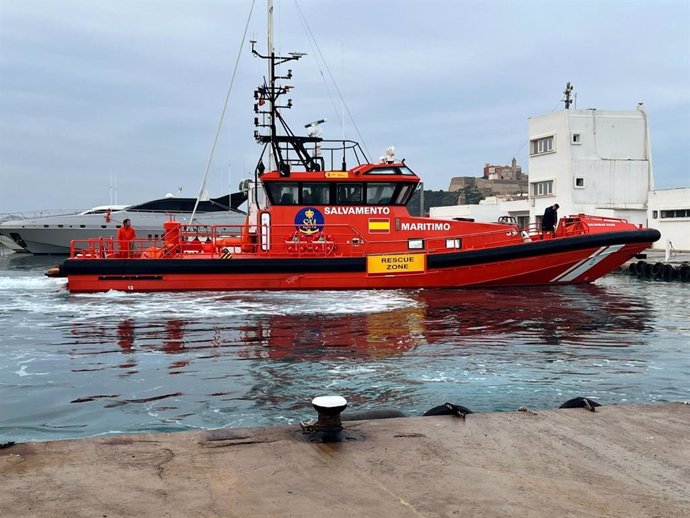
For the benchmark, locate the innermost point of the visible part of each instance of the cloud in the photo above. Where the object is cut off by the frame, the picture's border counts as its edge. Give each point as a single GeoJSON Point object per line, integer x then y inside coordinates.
{"type": "Point", "coordinates": [134, 89]}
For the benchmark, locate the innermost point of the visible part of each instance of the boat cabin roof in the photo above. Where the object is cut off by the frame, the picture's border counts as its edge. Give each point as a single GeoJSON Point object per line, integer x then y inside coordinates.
{"type": "Point", "coordinates": [366, 184]}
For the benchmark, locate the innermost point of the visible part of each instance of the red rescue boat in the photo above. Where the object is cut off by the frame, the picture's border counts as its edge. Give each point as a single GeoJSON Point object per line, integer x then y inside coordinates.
{"type": "Point", "coordinates": [315, 223]}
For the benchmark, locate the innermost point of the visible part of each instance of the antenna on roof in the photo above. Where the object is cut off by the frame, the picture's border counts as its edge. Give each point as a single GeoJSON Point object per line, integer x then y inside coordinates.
{"type": "Point", "coordinates": [568, 90]}
{"type": "Point", "coordinates": [313, 129]}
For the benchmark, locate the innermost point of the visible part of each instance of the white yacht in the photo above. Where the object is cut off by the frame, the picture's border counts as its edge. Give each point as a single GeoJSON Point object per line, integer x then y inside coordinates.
{"type": "Point", "coordinates": [53, 234]}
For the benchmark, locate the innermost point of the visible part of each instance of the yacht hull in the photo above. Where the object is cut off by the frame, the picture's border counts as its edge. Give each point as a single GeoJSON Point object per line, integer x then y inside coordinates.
{"type": "Point", "coordinates": [52, 236]}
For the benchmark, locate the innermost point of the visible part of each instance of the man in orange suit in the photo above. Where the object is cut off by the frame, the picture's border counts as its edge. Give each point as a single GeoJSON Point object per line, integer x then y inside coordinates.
{"type": "Point", "coordinates": [125, 237]}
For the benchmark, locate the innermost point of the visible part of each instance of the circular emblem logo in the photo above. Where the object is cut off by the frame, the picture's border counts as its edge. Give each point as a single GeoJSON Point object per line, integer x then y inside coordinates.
{"type": "Point", "coordinates": [309, 221]}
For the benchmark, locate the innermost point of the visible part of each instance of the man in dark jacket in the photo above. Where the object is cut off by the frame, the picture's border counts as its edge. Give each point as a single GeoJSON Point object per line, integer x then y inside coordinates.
{"type": "Point", "coordinates": [550, 218]}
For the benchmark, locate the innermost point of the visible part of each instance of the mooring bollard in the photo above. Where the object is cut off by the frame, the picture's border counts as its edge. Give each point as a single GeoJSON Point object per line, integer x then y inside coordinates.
{"type": "Point", "coordinates": [329, 409]}
{"type": "Point", "coordinates": [328, 426]}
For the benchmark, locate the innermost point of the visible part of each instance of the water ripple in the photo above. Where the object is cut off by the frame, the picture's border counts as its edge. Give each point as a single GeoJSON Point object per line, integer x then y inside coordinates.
{"type": "Point", "coordinates": [81, 365]}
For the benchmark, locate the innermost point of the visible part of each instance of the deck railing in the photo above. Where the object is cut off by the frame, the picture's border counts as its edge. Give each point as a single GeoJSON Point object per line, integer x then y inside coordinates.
{"type": "Point", "coordinates": [180, 241]}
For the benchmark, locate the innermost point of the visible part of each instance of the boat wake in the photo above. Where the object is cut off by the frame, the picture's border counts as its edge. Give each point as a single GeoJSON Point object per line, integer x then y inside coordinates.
{"type": "Point", "coordinates": [34, 294]}
{"type": "Point", "coordinates": [30, 282]}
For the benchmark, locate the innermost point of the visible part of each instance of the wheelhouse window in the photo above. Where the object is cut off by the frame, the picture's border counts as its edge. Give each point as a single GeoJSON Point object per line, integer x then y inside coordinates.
{"type": "Point", "coordinates": [316, 193]}
{"type": "Point", "coordinates": [542, 188]}
{"type": "Point", "coordinates": [541, 145]}
{"type": "Point", "coordinates": [340, 193]}
{"type": "Point", "coordinates": [284, 193]}
{"type": "Point", "coordinates": [349, 193]}
{"type": "Point", "coordinates": [391, 170]}
{"type": "Point", "coordinates": [380, 193]}
{"type": "Point", "coordinates": [405, 193]}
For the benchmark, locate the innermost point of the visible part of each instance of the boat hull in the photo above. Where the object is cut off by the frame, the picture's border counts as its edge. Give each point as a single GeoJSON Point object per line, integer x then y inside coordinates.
{"type": "Point", "coordinates": [575, 260]}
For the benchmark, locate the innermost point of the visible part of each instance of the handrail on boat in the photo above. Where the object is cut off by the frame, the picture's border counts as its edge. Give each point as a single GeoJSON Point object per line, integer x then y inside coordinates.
{"type": "Point", "coordinates": [284, 240]}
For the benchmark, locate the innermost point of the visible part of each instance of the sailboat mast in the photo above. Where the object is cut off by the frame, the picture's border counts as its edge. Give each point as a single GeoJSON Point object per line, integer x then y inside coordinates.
{"type": "Point", "coordinates": [271, 53]}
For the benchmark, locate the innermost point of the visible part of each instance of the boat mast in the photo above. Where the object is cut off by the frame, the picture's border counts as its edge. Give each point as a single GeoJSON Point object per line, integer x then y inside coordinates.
{"type": "Point", "coordinates": [280, 145]}
{"type": "Point", "coordinates": [271, 52]}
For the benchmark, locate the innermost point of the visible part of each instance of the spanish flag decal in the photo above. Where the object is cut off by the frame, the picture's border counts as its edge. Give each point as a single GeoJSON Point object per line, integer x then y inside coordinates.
{"type": "Point", "coordinates": [380, 226]}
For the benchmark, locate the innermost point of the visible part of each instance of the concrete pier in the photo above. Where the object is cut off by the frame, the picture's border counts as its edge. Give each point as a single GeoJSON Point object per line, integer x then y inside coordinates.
{"type": "Point", "coordinates": [623, 461]}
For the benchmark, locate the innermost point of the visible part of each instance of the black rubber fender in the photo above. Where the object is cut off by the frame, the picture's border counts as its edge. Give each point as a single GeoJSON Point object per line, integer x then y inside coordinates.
{"type": "Point", "coordinates": [647, 270]}
{"type": "Point", "coordinates": [640, 268]}
{"type": "Point", "coordinates": [448, 409]}
{"type": "Point", "coordinates": [580, 402]}
{"type": "Point", "coordinates": [657, 270]}
{"type": "Point", "coordinates": [669, 273]}
{"type": "Point", "coordinates": [684, 273]}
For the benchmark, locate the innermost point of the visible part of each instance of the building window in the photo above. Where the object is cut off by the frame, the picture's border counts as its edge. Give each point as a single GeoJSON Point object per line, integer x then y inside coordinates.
{"type": "Point", "coordinates": [579, 182]}
{"type": "Point", "coordinates": [523, 221]}
{"type": "Point", "coordinates": [677, 213]}
{"type": "Point", "coordinates": [655, 214]}
{"type": "Point", "coordinates": [542, 188]}
{"type": "Point", "coordinates": [575, 139]}
{"type": "Point", "coordinates": [541, 145]}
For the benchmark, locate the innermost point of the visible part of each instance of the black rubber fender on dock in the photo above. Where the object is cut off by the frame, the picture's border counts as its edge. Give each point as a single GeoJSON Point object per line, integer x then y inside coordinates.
{"type": "Point", "coordinates": [684, 273]}
{"type": "Point", "coordinates": [580, 402]}
{"type": "Point", "coordinates": [648, 270]}
{"type": "Point", "coordinates": [640, 268]}
{"type": "Point", "coordinates": [657, 270]}
{"type": "Point", "coordinates": [449, 409]}
{"type": "Point", "coordinates": [669, 273]}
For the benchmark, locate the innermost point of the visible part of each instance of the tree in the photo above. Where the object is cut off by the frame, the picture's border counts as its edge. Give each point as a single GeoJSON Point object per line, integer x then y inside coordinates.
{"type": "Point", "coordinates": [432, 199]}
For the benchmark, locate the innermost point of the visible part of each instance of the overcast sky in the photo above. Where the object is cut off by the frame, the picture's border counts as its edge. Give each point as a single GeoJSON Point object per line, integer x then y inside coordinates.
{"type": "Point", "coordinates": [119, 100]}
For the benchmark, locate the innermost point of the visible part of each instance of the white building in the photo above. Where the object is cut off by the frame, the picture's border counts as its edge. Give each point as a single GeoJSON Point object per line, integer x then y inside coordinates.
{"type": "Point", "coordinates": [592, 162]}
{"type": "Point", "coordinates": [489, 209]}
{"type": "Point", "coordinates": [669, 213]}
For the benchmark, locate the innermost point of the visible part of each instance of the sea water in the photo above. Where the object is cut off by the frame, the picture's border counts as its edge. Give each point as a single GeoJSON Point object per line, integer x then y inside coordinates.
{"type": "Point", "coordinates": [83, 365]}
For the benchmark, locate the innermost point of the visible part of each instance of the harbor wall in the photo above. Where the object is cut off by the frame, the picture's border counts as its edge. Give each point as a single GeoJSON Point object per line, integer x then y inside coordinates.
{"type": "Point", "coordinates": [618, 461]}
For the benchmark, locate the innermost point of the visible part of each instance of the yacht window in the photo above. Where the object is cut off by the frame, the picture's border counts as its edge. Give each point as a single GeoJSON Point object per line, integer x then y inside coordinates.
{"type": "Point", "coordinates": [349, 193]}
{"type": "Point", "coordinates": [315, 193]}
{"type": "Point", "coordinates": [380, 193]}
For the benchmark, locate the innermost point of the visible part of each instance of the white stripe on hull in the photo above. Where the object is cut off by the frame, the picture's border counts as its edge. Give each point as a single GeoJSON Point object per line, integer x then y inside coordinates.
{"type": "Point", "coordinates": [583, 266]}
